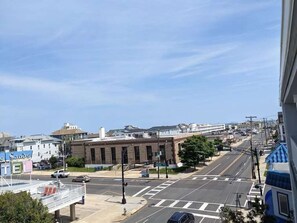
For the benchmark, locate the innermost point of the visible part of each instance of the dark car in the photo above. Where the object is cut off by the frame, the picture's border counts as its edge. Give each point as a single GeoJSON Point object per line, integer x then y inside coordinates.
{"type": "Point", "coordinates": [83, 178]}
{"type": "Point", "coordinates": [181, 217]}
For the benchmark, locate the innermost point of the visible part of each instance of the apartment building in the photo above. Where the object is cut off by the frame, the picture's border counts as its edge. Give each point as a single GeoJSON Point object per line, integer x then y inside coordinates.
{"type": "Point", "coordinates": [42, 146]}
{"type": "Point", "coordinates": [288, 92]}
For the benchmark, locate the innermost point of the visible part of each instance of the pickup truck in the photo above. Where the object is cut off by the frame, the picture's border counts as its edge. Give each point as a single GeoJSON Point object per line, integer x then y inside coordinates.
{"type": "Point", "coordinates": [60, 174]}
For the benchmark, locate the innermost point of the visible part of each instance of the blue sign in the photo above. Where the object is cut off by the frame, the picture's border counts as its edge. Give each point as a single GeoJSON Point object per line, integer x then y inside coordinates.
{"type": "Point", "coordinates": [16, 155]}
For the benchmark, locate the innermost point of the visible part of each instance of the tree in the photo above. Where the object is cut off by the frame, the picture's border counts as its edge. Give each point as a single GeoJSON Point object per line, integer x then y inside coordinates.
{"type": "Point", "coordinates": [218, 143]}
{"type": "Point", "coordinates": [53, 161]}
{"type": "Point", "coordinates": [194, 150]}
{"type": "Point", "coordinates": [256, 213]}
{"type": "Point", "coordinates": [75, 162]}
{"type": "Point", "coordinates": [21, 207]}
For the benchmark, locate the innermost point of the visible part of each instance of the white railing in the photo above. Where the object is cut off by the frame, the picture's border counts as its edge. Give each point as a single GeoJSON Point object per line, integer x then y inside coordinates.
{"type": "Point", "coordinates": [66, 196]}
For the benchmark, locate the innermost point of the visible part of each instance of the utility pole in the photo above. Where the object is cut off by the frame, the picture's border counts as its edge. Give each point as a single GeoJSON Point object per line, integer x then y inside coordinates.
{"type": "Point", "coordinates": [252, 156]}
{"type": "Point", "coordinates": [158, 154]}
{"type": "Point", "coordinates": [258, 166]}
{"type": "Point", "coordinates": [123, 178]}
{"type": "Point", "coordinates": [265, 131]}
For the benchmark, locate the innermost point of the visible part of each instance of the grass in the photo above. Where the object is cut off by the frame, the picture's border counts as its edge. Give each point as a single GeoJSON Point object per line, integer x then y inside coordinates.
{"type": "Point", "coordinates": [81, 169]}
{"type": "Point", "coordinates": [170, 171]}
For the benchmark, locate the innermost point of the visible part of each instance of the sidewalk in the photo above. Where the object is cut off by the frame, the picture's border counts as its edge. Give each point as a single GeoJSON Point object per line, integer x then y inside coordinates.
{"type": "Point", "coordinates": [103, 208]}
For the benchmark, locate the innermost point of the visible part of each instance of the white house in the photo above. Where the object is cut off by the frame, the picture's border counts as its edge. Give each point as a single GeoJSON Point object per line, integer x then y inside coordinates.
{"type": "Point", "coordinates": [43, 146]}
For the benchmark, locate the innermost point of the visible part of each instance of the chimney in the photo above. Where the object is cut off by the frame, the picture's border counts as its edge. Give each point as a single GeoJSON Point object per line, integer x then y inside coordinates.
{"type": "Point", "coordinates": [101, 133]}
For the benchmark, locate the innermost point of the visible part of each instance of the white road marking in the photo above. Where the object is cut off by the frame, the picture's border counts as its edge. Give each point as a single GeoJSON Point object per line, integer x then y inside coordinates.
{"type": "Point", "coordinates": [213, 168]}
{"type": "Point", "coordinates": [188, 205]}
{"type": "Point", "coordinates": [161, 202]}
{"type": "Point", "coordinates": [141, 191]}
{"type": "Point", "coordinates": [206, 216]}
{"type": "Point", "coordinates": [174, 203]}
{"type": "Point", "coordinates": [202, 208]}
{"type": "Point", "coordinates": [238, 180]}
{"type": "Point", "coordinates": [194, 178]}
{"type": "Point", "coordinates": [215, 178]}
{"type": "Point", "coordinates": [156, 190]}
{"type": "Point", "coordinates": [226, 179]}
{"type": "Point", "coordinates": [219, 208]}
{"type": "Point", "coordinates": [204, 178]}
{"type": "Point", "coordinates": [245, 203]}
{"type": "Point", "coordinates": [149, 194]}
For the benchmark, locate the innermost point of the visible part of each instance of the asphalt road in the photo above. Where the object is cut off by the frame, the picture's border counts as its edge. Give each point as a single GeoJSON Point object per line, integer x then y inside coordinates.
{"type": "Point", "coordinates": [226, 181]}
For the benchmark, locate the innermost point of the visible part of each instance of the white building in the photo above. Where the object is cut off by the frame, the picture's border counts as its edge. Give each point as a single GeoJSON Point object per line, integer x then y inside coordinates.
{"type": "Point", "coordinates": [288, 88]}
{"type": "Point", "coordinates": [206, 128]}
{"type": "Point", "coordinates": [43, 146]}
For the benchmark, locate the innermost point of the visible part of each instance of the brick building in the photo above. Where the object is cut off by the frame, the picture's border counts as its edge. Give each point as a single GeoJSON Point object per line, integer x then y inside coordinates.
{"type": "Point", "coordinates": [108, 150]}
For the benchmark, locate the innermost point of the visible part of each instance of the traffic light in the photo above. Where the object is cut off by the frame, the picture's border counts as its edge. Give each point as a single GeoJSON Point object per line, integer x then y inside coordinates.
{"type": "Point", "coordinates": [125, 184]}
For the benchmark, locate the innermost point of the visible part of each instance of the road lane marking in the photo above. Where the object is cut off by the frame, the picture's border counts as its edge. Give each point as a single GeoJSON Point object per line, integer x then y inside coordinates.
{"type": "Point", "coordinates": [148, 194]}
{"type": "Point", "coordinates": [226, 179]}
{"type": "Point", "coordinates": [156, 189]}
{"type": "Point", "coordinates": [242, 153]}
{"type": "Point", "coordinates": [139, 192]}
{"type": "Point", "coordinates": [188, 204]}
{"type": "Point", "coordinates": [161, 202]}
{"type": "Point", "coordinates": [213, 168]}
{"type": "Point", "coordinates": [215, 178]}
{"type": "Point", "coordinates": [174, 203]}
{"type": "Point", "coordinates": [204, 178]}
{"type": "Point", "coordinates": [206, 216]}
{"type": "Point", "coordinates": [238, 180]}
{"type": "Point", "coordinates": [194, 178]}
{"type": "Point", "coordinates": [202, 208]}
{"type": "Point", "coordinates": [219, 208]}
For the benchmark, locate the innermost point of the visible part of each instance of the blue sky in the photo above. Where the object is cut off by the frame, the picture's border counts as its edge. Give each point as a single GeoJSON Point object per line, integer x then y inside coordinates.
{"type": "Point", "coordinates": [145, 63]}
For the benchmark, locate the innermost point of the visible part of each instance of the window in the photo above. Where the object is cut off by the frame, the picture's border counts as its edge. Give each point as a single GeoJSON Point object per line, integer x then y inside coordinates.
{"type": "Point", "coordinates": [43, 145]}
{"type": "Point", "coordinates": [102, 155]}
{"type": "Point", "coordinates": [163, 152]}
{"type": "Point", "coordinates": [149, 153]}
{"type": "Point", "coordinates": [93, 154]}
{"type": "Point", "coordinates": [283, 204]}
{"type": "Point", "coordinates": [30, 147]}
{"type": "Point", "coordinates": [136, 152]}
{"type": "Point", "coordinates": [37, 146]}
{"type": "Point", "coordinates": [125, 157]}
{"type": "Point", "coordinates": [113, 154]}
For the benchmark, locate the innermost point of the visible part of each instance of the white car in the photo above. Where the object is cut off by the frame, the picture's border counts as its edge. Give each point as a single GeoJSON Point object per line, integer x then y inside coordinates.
{"type": "Point", "coordinates": [60, 174]}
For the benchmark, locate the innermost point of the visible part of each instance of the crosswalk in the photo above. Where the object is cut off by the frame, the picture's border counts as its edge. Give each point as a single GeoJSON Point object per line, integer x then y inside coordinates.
{"type": "Point", "coordinates": [218, 178]}
{"type": "Point", "coordinates": [159, 188]}
{"type": "Point", "coordinates": [190, 205]}
{"type": "Point", "coordinates": [254, 192]}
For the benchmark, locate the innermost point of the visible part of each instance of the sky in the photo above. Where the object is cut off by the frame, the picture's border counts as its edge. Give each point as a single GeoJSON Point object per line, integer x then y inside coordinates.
{"type": "Point", "coordinates": [112, 63]}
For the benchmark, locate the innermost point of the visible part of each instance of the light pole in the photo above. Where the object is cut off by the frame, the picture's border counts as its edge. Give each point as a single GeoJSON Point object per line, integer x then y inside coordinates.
{"type": "Point", "coordinates": [158, 154]}
{"type": "Point", "coordinates": [166, 164]}
{"type": "Point", "coordinates": [123, 178]}
{"type": "Point", "coordinates": [252, 156]}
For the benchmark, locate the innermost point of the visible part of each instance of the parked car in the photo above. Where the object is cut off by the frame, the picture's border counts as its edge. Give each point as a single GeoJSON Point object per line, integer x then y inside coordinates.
{"type": "Point", "coordinates": [181, 217]}
{"type": "Point", "coordinates": [60, 174]}
{"type": "Point", "coordinates": [83, 178]}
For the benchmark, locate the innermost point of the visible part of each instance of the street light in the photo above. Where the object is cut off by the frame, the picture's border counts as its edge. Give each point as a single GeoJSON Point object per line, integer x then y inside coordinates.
{"type": "Point", "coordinates": [123, 179]}
{"type": "Point", "coordinates": [159, 154]}
{"type": "Point", "coordinates": [166, 164]}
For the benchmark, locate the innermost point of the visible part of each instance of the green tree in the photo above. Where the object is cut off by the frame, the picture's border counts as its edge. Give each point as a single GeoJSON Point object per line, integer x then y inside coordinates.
{"type": "Point", "coordinates": [16, 208]}
{"type": "Point", "coordinates": [75, 162]}
{"type": "Point", "coordinates": [218, 143]}
{"type": "Point", "coordinates": [194, 150]}
{"type": "Point", "coordinates": [256, 213]}
{"type": "Point", "coordinates": [53, 161]}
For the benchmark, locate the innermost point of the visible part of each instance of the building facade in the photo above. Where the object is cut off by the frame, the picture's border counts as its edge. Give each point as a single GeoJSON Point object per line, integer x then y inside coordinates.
{"type": "Point", "coordinates": [288, 89]}
{"type": "Point", "coordinates": [137, 150]}
{"type": "Point", "coordinates": [42, 146]}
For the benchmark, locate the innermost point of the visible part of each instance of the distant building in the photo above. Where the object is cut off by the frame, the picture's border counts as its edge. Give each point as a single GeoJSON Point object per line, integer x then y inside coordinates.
{"type": "Point", "coordinates": [108, 150]}
{"type": "Point", "coordinates": [69, 132]}
{"type": "Point", "coordinates": [6, 143]}
{"type": "Point", "coordinates": [43, 146]}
